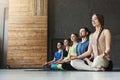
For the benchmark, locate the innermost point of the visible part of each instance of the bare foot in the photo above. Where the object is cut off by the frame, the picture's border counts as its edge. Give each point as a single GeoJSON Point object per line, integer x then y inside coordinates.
{"type": "Point", "coordinates": [101, 69]}
{"type": "Point", "coordinates": [87, 60]}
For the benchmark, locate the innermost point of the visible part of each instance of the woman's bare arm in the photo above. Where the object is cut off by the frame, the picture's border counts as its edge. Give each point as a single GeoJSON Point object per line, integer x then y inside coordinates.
{"type": "Point", "coordinates": [107, 41]}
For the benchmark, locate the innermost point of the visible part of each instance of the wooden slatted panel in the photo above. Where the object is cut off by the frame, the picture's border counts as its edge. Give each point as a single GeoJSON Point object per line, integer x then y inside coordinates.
{"type": "Point", "coordinates": [27, 33]}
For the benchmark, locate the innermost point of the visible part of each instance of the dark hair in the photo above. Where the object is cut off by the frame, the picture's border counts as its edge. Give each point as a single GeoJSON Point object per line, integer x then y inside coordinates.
{"type": "Point", "coordinates": [87, 30]}
{"type": "Point", "coordinates": [100, 18]}
{"type": "Point", "coordinates": [76, 34]}
{"type": "Point", "coordinates": [61, 43]}
{"type": "Point", "coordinates": [69, 40]}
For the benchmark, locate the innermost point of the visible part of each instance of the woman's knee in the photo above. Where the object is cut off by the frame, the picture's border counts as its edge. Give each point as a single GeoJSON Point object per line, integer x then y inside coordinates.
{"type": "Point", "coordinates": [54, 66]}
{"type": "Point", "coordinates": [73, 62]}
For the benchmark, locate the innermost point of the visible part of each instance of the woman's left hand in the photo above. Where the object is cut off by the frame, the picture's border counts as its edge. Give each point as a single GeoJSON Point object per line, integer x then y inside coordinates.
{"type": "Point", "coordinates": [103, 55]}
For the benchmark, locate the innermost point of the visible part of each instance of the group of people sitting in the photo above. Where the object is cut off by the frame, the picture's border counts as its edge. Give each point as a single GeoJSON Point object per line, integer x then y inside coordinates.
{"type": "Point", "coordinates": [91, 53]}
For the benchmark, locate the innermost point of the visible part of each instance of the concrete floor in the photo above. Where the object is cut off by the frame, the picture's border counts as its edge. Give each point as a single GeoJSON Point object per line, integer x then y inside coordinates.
{"type": "Point", "coordinates": [22, 74]}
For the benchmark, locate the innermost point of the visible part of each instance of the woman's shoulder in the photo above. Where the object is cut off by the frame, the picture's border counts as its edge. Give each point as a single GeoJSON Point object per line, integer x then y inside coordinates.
{"type": "Point", "coordinates": [91, 34]}
{"type": "Point", "coordinates": [106, 31]}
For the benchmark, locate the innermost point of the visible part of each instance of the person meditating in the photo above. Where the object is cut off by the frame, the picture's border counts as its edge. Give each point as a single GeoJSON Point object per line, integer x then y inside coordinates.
{"type": "Point", "coordinates": [99, 45]}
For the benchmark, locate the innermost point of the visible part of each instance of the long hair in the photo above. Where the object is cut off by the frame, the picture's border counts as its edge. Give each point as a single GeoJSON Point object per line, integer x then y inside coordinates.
{"type": "Point", "coordinates": [69, 41]}
{"type": "Point", "coordinates": [100, 18]}
{"type": "Point", "coordinates": [76, 36]}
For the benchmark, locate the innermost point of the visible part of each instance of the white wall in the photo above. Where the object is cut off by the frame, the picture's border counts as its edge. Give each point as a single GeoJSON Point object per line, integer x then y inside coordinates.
{"type": "Point", "coordinates": [3, 30]}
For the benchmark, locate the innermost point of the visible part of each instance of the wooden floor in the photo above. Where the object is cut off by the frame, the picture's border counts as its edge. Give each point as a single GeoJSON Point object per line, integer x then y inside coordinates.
{"type": "Point", "coordinates": [27, 74]}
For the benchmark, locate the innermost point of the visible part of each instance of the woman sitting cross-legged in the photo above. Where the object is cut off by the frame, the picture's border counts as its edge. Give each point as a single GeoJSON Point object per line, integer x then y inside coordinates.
{"type": "Point", "coordinates": [99, 45]}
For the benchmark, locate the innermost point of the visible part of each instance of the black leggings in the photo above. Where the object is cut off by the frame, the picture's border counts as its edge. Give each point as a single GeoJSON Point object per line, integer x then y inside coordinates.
{"type": "Point", "coordinates": [67, 66]}
{"type": "Point", "coordinates": [110, 66]}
